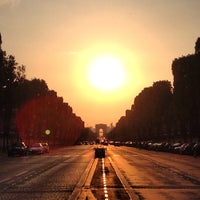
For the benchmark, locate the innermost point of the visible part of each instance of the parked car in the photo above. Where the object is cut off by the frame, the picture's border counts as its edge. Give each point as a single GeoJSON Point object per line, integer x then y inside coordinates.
{"type": "Point", "coordinates": [196, 149]}
{"type": "Point", "coordinates": [36, 148]}
{"type": "Point", "coordinates": [18, 149]}
{"type": "Point", "coordinates": [179, 148]}
{"type": "Point", "coordinates": [45, 147]}
{"type": "Point", "coordinates": [174, 147]}
{"type": "Point", "coordinates": [187, 149]}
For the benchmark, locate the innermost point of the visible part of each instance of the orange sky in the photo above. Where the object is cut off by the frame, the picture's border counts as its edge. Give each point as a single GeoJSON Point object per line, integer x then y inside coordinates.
{"type": "Point", "coordinates": [57, 41]}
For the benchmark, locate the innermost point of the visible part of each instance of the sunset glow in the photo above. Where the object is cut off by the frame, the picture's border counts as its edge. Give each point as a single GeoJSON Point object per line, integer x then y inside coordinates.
{"type": "Point", "coordinates": [98, 55]}
{"type": "Point", "coordinates": [106, 73]}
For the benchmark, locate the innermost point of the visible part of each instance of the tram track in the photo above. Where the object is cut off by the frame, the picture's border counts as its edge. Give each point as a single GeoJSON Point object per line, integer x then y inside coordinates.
{"type": "Point", "coordinates": [105, 182]}
{"type": "Point", "coordinates": [113, 177]}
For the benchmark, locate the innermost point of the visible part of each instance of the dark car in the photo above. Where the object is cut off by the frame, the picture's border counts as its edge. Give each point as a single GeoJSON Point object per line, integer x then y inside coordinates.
{"type": "Point", "coordinates": [18, 149]}
{"type": "Point", "coordinates": [99, 152]}
{"type": "Point", "coordinates": [45, 147]}
{"type": "Point", "coordinates": [196, 149]}
{"type": "Point", "coordinates": [117, 143]}
{"type": "Point", "coordinates": [36, 148]}
{"type": "Point", "coordinates": [187, 149]}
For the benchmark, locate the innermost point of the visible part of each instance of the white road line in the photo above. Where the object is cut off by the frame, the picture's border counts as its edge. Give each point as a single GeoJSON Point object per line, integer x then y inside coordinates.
{"type": "Point", "coordinates": [5, 179]}
{"type": "Point", "coordinates": [104, 180]}
{"type": "Point", "coordinates": [19, 174]}
{"type": "Point", "coordinates": [124, 182]}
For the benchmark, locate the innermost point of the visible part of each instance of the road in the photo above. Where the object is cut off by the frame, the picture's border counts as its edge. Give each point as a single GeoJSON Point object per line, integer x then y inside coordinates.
{"type": "Point", "coordinates": [48, 176]}
{"type": "Point", "coordinates": [125, 173]}
{"type": "Point", "coordinates": [159, 175]}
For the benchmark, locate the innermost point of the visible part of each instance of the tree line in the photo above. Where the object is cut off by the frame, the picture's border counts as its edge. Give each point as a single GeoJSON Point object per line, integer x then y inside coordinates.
{"type": "Point", "coordinates": [162, 112]}
{"type": "Point", "coordinates": [30, 111]}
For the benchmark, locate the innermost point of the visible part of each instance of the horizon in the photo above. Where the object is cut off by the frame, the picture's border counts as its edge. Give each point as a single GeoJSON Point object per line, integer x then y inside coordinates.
{"type": "Point", "coordinates": [59, 42]}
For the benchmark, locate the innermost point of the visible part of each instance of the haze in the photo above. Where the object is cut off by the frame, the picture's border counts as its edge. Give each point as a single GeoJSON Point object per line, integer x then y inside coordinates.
{"type": "Point", "coordinates": [56, 41]}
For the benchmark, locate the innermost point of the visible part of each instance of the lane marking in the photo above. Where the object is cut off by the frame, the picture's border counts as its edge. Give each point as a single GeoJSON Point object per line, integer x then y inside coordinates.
{"type": "Point", "coordinates": [23, 172]}
{"type": "Point", "coordinates": [124, 182]}
{"type": "Point", "coordinates": [104, 179]}
{"type": "Point", "coordinates": [5, 179]}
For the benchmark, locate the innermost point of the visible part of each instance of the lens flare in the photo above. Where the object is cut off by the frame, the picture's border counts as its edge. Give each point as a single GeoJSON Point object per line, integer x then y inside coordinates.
{"type": "Point", "coordinates": [47, 132]}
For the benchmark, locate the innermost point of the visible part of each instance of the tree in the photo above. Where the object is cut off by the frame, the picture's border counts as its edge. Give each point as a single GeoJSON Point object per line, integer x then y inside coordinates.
{"type": "Point", "coordinates": [48, 112]}
{"type": "Point", "coordinates": [10, 74]}
{"type": "Point", "coordinates": [145, 120]}
{"type": "Point", "coordinates": [197, 46]}
{"type": "Point", "coordinates": [186, 97]}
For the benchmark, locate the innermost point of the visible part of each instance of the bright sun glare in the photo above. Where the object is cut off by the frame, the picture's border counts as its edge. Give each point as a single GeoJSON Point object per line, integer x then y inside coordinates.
{"type": "Point", "coordinates": [106, 73]}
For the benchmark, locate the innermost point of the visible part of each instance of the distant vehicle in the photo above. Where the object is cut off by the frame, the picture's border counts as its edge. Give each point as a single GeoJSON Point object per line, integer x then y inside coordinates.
{"type": "Point", "coordinates": [45, 147]}
{"type": "Point", "coordinates": [86, 142]}
{"type": "Point", "coordinates": [36, 148]}
{"type": "Point", "coordinates": [79, 143]}
{"type": "Point", "coordinates": [18, 149]}
{"type": "Point", "coordinates": [111, 142]}
{"type": "Point", "coordinates": [117, 143]}
{"type": "Point", "coordinates": [99, 152]}
{"type": "Point", "coordinates": [105, 142]}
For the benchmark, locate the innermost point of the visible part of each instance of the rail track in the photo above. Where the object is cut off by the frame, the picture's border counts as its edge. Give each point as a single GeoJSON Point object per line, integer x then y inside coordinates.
{"type": "Point", "coordinates": [105, 182]}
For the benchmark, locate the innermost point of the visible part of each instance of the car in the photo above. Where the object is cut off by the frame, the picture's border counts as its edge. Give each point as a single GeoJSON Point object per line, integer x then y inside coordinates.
{"type": "Point", "coordinates": [45, 147]}
{"type": "Point", "coordinates": [36, 148]}
{"type": "Point", "coordinates": [196, 149]}
{"type": "Point", "coordinates": [117, 143]}
{"type": "Point", "coordinates": [187, 149]}
{"type": "Point", "coordinates": [18, 149]}
{"type": "Point", "coordinates": [174, 147]}
{"type": "Point", "coordinates": [99, 152]}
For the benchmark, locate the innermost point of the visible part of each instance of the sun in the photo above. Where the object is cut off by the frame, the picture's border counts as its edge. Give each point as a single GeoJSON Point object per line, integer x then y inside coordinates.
{"type": "Point", "coordinates": [106, 73]}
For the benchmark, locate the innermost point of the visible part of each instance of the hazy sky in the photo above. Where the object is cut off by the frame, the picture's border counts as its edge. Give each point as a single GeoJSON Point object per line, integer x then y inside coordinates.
{"type": "Point", "coordinates": [57, 40]}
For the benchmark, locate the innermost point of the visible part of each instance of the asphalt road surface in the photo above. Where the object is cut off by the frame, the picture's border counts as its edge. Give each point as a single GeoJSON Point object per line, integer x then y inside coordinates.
{"type": "Point", "coordinates": [125, 173]}
{"type": "Point", "coordinates": [159, 175]}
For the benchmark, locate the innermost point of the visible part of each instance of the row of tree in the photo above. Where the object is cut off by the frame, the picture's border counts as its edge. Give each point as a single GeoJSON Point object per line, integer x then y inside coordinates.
{"type": "Point", "coordinates": [30, 111]}
{"type": "Point", "coordinates": [163, 112]}
{"type": "Point", "coordinates": [47, 118]}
